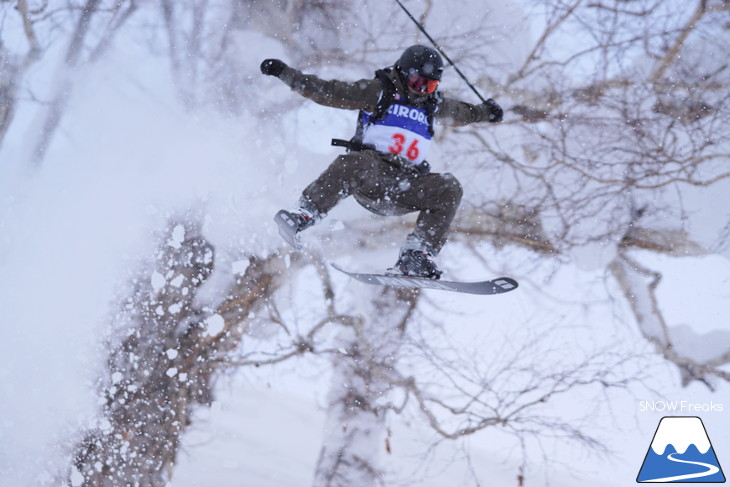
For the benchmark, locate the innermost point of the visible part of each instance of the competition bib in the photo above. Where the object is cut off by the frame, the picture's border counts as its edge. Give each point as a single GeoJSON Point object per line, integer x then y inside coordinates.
{"type": "Point", "coordinates": [402, 131]}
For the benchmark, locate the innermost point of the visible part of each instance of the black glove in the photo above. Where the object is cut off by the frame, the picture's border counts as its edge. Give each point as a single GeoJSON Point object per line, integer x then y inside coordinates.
{"type": "Point", "coordinates": [493, 110]}
{"type": "Point", "coordinates": [273, 67]}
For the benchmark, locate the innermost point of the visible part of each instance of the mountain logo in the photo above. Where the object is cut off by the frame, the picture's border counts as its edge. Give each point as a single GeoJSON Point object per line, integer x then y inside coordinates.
{"type": "Point", "coordinates": [680, 452]}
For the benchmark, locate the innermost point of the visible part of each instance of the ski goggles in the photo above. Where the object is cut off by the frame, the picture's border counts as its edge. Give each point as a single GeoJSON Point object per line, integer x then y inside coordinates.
{"type": "Point", "coordinates": [420, 84]}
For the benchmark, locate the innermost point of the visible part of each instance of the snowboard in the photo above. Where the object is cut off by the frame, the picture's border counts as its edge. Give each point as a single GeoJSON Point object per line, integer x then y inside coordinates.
{"type": "Point", "coordinates": [495, 286]}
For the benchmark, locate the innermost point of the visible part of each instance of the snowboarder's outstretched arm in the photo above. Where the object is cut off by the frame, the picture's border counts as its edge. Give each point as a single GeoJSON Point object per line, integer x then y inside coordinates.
{"type": "Point", "coordinates": [463, 113]}
{"type": "Point", "coordinates": [359, 95]}
{"type": "Point", "coordinates": [364, 95]}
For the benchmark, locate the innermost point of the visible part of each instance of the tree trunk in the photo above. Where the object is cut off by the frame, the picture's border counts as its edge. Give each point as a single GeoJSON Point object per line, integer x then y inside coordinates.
{"type": "Point", "coordinates": [166, 364]}
{"type": "Point", "coordinates": [8, 88]}
{"type": "Point", "coordinates": [355, 426]}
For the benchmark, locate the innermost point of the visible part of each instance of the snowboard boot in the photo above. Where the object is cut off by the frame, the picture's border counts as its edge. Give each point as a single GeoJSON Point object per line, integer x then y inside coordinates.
{"type": "Point", "coordinates": [292, 222]}
{"type": "Point", "coordinates": [415, 263]}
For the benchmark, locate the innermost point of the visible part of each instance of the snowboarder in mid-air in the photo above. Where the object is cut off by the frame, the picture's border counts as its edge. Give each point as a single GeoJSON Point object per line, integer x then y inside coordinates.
{"type": "Point", "coordinates": [385, 168]}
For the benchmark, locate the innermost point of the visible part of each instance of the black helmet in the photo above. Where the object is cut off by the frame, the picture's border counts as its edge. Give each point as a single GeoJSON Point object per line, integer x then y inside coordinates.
{"type": "Point", "coordinates": [422, 60]}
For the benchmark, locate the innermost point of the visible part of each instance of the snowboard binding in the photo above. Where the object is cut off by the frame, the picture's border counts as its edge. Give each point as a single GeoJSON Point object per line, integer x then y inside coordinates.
{"type": "Point", "coordinates": [415, 263]}
{"type": "Point", "coordinates": [290, 223]}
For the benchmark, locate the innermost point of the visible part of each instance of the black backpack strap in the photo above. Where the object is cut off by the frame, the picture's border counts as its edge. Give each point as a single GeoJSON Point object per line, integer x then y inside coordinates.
{"type": "Point", "coordinates": [386, 97]}
{"type": "Point", "coordinates": [432, 105]}
{"type": "Point", "coordinates": [381, 108]}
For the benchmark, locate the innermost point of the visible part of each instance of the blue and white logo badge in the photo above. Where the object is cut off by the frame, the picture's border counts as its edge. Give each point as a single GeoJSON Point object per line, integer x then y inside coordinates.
{"type": "Point", "coordinates": [681, 452]}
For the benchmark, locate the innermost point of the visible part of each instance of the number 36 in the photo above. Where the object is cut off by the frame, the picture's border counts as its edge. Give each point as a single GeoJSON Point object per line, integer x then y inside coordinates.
{"type": "Point", "coordinates": [399, 142]}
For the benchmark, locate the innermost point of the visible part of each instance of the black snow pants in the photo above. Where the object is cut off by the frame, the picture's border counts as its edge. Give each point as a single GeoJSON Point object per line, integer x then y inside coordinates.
{"type": "Point", "coordinates": [385, 187]}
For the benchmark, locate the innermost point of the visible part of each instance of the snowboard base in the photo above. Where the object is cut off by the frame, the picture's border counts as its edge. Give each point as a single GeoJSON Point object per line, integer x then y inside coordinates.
{"type": "Point", "coordinates": [499, 285]}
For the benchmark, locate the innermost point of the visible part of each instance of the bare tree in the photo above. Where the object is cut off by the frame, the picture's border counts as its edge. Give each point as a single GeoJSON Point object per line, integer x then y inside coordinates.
{"type": "Point", "coordinates": [595, 156]}
{"type": "Point", "coordinates": [204, 48]}
{"type": "Point", "coordinates": [13, 66]}
{"type": "Point", "coordinates": [94, 26]}
{"type": "Point", "coordinates": [114, 17]}
{"type": "Point", "coordinates": [368, 353]}
{"type": "Point", "coordinates": [164, 360]}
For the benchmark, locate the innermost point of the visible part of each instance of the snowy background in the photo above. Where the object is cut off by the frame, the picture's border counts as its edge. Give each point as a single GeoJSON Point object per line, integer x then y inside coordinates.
{"type": "Point", "coordinates": [130, 153]}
